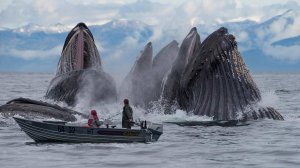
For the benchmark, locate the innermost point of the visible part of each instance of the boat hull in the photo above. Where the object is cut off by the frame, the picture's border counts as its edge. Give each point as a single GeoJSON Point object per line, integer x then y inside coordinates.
{"type": "Point", "coordinates": [229, 123]}
{"type": "Point", "coordinates": [51, 132]}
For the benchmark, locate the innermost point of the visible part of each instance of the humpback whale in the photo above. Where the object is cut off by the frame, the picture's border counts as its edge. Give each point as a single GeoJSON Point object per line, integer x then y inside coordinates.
{"type": "Point", "coordinates": [31, 108]}
{"type": "Point", "coordinates": [162, 63]}
{"type": "Point", "coordinates": [170, 91]}
{"type": "Point", "coordinates": [79, 73]}
{"type": "Point", "coordinates": [215, 82]}
{"type": "Point", "coordinates": [206, 79]}
{"type": "Point", "coordinates": [143, 83]}
{"type": "Point", "coordinates": [136, 85]}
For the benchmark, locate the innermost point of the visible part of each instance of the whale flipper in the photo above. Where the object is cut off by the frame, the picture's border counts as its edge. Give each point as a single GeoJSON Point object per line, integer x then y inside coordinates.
{"type": "Point", "coordinates": [31, 109]}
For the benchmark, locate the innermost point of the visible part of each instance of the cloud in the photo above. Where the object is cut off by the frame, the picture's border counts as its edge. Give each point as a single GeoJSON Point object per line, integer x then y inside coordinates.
{"type": "Point", "coordinates": [33, 54]}
{"type": "Point", "coordinates": [285, 25]}
{"type": "Point", "coordinates": [4, 4]}
{"type": "Point", "coordinates": [281, 27]}
{"type": "Point", "coordinates": [92, 10]}
{"type": "Point", "coordinates": [289, 53]}
{"type": "Point", "coordinates": [119, 59]}
{"type": "Point", "coordinates": [45, 12]}
{"type": "Point", "coordinates": [176, 21]}
{"type": "Point", "coordinates": [92, 2]}
{"type": "Point", "coordinates": [243, 36]}
{"type": "Point", "coordinates": [168, 13]}
{"type": "Point", "coordinates": [170, 19]}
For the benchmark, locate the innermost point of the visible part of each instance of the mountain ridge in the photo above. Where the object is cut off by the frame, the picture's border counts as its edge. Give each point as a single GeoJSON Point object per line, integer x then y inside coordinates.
{"type": "Point", "coordinates": [119, 42]}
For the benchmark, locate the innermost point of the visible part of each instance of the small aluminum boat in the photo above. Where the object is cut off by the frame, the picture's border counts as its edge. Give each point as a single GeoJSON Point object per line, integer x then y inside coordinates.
{"type": "Point", "coordinates": [48, 131]}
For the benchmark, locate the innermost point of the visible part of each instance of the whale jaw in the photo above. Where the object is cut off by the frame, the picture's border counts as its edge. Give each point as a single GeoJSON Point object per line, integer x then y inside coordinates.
{"type": "Point", "coordinates": [79, 51]}
{"type": "Point", "coordinates": [80, 66]}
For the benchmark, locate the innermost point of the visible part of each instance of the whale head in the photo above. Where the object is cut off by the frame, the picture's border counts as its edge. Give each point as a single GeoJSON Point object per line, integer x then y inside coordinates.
{"type": "Point", "coordinates": [79, 51]}
{"type": "Point", "coordinates": [79, 73]}
{"type": "Point", "coordinates": [216, 82]}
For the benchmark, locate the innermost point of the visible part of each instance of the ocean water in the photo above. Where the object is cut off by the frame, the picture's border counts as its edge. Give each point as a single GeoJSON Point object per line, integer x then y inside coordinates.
{"type": "Point", "coordinates": [263, 143]}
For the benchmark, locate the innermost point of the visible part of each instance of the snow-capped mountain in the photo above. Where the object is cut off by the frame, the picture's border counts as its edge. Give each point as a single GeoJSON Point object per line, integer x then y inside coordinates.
{"type": "Point", "coordinates": [288, 41]}
{"type": "Point", "coordinates": [273, 45]}
{"type": "Point", "coordinates": [285, 25]}
{"type": "Point", "coordinates": [120, 41]}
{"type": "Point", "coordinates": [35, 43]}
{"type": "Point", "coordinates": [32, 28]}
{"type": "Point", "coordinates": [115, 32]}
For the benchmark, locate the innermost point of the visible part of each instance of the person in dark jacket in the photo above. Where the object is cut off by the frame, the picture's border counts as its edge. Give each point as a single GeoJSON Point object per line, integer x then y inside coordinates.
{"type": "Point", "coordinates": [127, 115]}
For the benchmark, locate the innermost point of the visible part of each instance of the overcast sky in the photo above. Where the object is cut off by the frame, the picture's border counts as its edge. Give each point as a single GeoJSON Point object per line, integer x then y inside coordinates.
{"type": "Point", "coordinates": [17, 13]}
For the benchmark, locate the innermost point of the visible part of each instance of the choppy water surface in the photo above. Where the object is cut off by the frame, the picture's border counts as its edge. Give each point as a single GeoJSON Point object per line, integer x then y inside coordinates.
{"type": "Point", "coordinates": [264, 143]}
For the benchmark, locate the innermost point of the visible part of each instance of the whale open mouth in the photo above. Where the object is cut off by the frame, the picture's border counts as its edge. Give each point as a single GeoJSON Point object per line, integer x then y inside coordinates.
{"type": "Point", "coordinates": [79, 51]}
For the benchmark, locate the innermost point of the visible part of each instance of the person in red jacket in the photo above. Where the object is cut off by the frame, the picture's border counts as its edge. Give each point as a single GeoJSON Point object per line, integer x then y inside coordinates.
{"type": "Point", "coordinates": [93, 120]}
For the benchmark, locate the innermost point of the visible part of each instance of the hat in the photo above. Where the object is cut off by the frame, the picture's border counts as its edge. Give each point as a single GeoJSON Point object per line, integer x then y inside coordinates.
{"type": "Point", "coordinates": [126, 101]}
{"type": "Point", "coordinates": [93, 112]}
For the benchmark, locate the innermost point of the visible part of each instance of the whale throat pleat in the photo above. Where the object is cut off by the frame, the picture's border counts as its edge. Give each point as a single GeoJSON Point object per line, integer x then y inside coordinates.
{"type": "Point", "coordinates": [79, 51]}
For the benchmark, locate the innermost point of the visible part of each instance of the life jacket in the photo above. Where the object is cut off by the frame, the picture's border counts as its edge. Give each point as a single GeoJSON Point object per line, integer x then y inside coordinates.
{"type": "Point", "coordinates": [92, 119]}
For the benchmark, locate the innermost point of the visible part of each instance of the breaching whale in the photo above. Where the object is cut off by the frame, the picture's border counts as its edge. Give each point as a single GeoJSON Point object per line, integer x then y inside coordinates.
{"type": "Point", "coordinates": [162, 63]}
{"type": "Point", "coordinates": [34, 109]}
{"type": "Point", "coordinates": [208, 78]}
{"type": "Point", "coordinates": [215, 82]}
{"type": "Point", "coordinates": [171, 84]}
{"type": "Point", "coordinates": [142, 84]}
{"type": "Point", "coordinates": [136, 85]}
{"type": "Point", "coordinates": [79, 73]}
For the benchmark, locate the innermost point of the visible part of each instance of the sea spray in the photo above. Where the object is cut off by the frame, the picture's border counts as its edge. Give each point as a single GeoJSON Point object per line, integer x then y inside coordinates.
{"type": "Point", "coordinates": [269, 98]}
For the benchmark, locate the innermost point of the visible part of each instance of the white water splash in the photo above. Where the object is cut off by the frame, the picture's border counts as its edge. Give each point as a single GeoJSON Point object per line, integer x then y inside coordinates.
{"type": "Point", "coordinates": [155, 114]}
{"type": "Point", "coordinates": [268, 98]}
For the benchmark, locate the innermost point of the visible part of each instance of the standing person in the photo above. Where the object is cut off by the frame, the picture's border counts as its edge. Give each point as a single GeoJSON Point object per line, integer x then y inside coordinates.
{"type": "Point", "coordinates": [93, 120]}
{"type": "Point", "coordinates": [127, 115]}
